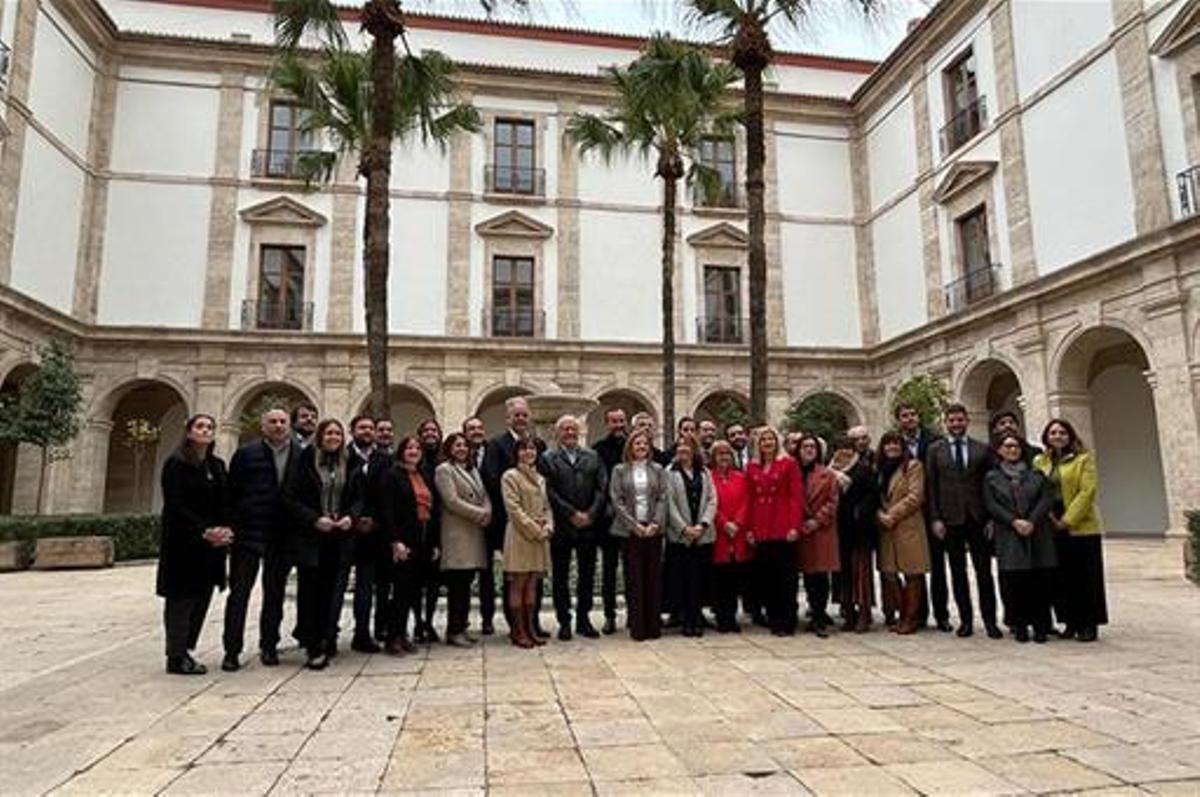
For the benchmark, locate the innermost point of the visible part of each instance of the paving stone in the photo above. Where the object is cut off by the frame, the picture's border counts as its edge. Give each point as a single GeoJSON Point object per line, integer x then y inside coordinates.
{"type": "Point", "coordinates": [353, 775]}
{"type": "Point", "coordinates": [255, 778]}
{"type": "Point", "coordinates": [1046, 772]}
{"type": "Point", "coordinates": [1133, 764]}
{"type": "Point", "coordinates": [516, 767]}
{"type": "Point", "coordinates": [888, 748]}
{"type": "Point", "coordinates": [813, 753]}
{"type": "Point", "coordinates": [851, 781]}
{"type": "Point", "coordinates": [634, 762]}
{"type": "Point", "coordinates": [952, 778]}
{"type": "Point", "coordinates": [773, 783]}
{"type": "Point", "coordinates": [607, 733]}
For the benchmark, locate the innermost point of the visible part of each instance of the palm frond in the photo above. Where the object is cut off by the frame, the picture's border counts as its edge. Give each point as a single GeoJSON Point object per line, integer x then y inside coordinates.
{"type": "Point", "coordinates": [426, 99]}
{"type": "Point", "coordinates": [294, 19]}
{"type": "Point", "coordinates": [592, 133]}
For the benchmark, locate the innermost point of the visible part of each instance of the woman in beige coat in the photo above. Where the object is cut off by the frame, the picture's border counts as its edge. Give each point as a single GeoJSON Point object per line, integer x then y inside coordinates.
{"type": "Point", "coordinates": [903, 548]}
{"type": "Point", "coordinates": [466, 512]}
{"type": "Point", "coordinates": [526, 538]}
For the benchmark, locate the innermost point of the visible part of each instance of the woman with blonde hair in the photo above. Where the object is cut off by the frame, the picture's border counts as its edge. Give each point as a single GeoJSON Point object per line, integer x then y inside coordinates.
{"type": "Point", "coordinates": [776, 515]}
{"type": "Point", "coordinates": [638, 490]}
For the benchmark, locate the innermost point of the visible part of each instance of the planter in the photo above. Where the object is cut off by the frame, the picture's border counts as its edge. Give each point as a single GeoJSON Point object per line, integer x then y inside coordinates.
{"type": "Point", "coordinates": [66, 553]}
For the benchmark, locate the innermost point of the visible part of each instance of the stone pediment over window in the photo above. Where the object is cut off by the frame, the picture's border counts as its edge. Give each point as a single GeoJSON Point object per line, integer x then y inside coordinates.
{"type": "Point", "coordinates": [282, 211]}
{"type": "Point", "coordinates": [514, 224]}
{"type": "Point", "coordinates": [1182, 29]}
{"type": "Point", "coordinates": [961, 176]}
{"type": "Point", "coordinates": [720, 236]}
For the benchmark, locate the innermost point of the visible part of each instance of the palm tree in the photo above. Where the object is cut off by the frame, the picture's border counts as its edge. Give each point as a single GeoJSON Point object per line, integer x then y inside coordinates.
{"type": "Point", "coordinates": [668, 102]}
{"type": "Point", "coordinates": [744, 25]}
{"type": "Point", "coordinates": [363, 102]}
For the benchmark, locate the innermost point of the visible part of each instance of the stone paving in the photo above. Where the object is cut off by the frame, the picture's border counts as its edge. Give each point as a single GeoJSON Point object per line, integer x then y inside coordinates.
{"type": "Point", "coordinates": [86, 709]}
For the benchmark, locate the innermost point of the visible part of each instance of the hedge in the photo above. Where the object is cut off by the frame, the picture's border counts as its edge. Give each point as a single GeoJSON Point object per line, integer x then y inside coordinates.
{"type": "Point", "coordinates": [134, 536]}
{"type": "Point", "coordinates": [1191, 556]}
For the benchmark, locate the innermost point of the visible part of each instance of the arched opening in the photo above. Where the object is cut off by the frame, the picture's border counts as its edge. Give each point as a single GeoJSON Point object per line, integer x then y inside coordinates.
{"type": "Point", "coordinates": [1105, 393]}
{"type": "Point", "coordinates": [147, 424]}
{"type": "Point", "coordinates": [491, 408]}
{"type": "Point", "coordinates": [248, 414]}
{"type": "Point", "coordinates": [409, 408]}
{"type": "Point", "coordinates": [989, 387]}
{"type": "Point", "coordinates": [723, 407]}
{"type": "Point", "coordinates": [626, 400]}
{"type": "Point", "coordinates": [19, 464]}
{"type": "Point", "coordinates": [826, 414]}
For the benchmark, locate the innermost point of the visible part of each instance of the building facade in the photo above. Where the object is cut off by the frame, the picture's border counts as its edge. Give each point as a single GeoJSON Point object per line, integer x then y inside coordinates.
{"type": "Point", "coordinates": [1006, 201]}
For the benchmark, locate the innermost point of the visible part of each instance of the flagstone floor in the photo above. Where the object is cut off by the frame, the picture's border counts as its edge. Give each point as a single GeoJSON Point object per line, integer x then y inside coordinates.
{"type": "Point", "coordinates": [86, 709]}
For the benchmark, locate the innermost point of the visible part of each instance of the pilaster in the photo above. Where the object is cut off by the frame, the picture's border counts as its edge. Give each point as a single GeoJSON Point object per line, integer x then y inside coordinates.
{"type": "Point", "coordinates": [458, 238]}
{"type": "Point", "coordinates": [931, 252]}
{"type": "Point", "coordinates": [90, 252]}
{"type": "Point", "coordinates": [343, 246]}
{"type": "Point", "coordinates": [567, 232]}
{"type": "Point", "coordinates": [864, 245]}
{"type": "Point", "coordinates": [222, 215]}
{"type": "Point", "coordinates": [20, 65]}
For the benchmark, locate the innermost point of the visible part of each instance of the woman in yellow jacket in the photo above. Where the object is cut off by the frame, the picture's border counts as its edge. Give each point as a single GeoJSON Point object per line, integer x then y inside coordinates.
{"type": "Point", "coordinates": [1080, 599]}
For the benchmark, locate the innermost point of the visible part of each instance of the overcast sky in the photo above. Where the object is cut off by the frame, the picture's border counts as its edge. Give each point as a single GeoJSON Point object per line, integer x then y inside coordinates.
{"type": "Point", "coordinates": [835, 27]}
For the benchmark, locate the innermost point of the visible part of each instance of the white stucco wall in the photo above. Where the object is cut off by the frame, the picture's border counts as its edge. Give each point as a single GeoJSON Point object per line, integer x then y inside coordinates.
{"type": "Point", "coordinates": [976, 34]}
{"type": "Point", "coordinates": [892, 149]}
{"type": "Point", "coordinates": [420, 166]}
{"type": "Point", "coordinates": [155, 254]}
{"type": "Point", "coordinates": [619, 279]}
{"type": "Point", "coordinates": [1170, 125]}
{"type": "Point", "coordinates": [624, 180]}
{"type": "Point", "coordinates": [1080, 188]}
{"type": "Point", "coordinates": [820, 285]}
{"type": "Point", "coordinates": [417, 280]}
{"type": "Point", "coordinates": [50, 202]}
{"type": "Point", "coordinates": [166, 128]}
{"type": "Point", "coordinates": [899, 269]}
{"type": "Point", "coordinates": [61, 81]}
{"type": "Point", "coordinates": [814, 171]}
{"type": "Point", "coordinates": [1050, 35]}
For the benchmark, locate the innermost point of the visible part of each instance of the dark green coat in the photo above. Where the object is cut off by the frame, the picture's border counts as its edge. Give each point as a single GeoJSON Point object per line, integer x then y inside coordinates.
{"type": "Point", "coordinates": [1029, 498]}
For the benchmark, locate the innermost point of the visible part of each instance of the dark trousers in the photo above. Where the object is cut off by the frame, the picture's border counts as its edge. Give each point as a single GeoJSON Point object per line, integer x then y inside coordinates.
{"type": "Point", "coordinates": [487, 588]}
{"type": "Point", "coordinates": [1079, 596]}
{"type": "Point", "coordinates": [429, 586]}
{"type": "Point", "coordinates": [754, 594]}
{"type": "Point", "coordinates": [729, 583]}
{"type": "Point", "coordinates": [938, 597]}
{"type": "Point", "coordinates": [816, 591]}
{"type": "Point", "coordinates": [780, 580]}
{"type": "Point", "coordinates": [961, 540]}
{"type": "Point", "coordinates": [183, 619]}
{"type": "Point", "coordinates": [561, 549]}
{"type": "Point", "coordinates": [691, 581]}
{"type": "Point", "coordinates": [1026, 596]}
{"type": "Point", "coordinates": [368, 570]}
{"type": "Point", "coordinates": [610, 554]}
{"type": "Point", "coordinates": [341, 582]}
{"type": "Point", "coordinates": [315, 585]}
{"type": "Point", "coordinates": [458, 599]}
{"type": "Point", "coordinates": [243, 572]}
{"type": "Point", "coordinates": [405, 586]}
{"type": "Point", "coordinates": [643, 586]}
{"type": "Point", "coordinates": [383, 596]}
{"type": "Point", "coordinates": [670, 580]}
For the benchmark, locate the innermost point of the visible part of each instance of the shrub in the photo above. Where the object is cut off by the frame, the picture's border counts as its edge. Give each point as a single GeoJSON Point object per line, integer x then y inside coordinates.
{"type": "Point", "coordinates": [133, 536]}
{"type": "Point", "coordinates": [929, 395]}
{"type": "Point", "coordinates": [1191, 553]}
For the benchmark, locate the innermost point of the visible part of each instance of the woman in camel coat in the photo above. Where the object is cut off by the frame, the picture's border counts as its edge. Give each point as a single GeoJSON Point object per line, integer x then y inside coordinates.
{"type": "Point", "coordinates": [466, 511]}
{"type": "Point", "coordinates": [526, 538]}
{"type": "Point", "coordinates": [818, 536]}
{"type": "Point", "coordinates": [903, 548]}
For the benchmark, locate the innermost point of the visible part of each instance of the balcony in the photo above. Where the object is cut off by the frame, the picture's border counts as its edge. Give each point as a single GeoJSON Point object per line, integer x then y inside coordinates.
{"type": "Point", "coordinates": [5, 60]}
{"type": "Point", "coordinates": [723, 329]}
{"type": "Point", "coordinates": [506, 322]}
{"type": "Point", "coordinates": [279, 164]}
{"type": "Point", "coordinates": [728, 197]}
{"type": "Point", "coordinates": [976, 285]}
{"type": "Point", "coordinates": [514, 180]}
{"type": "Point", "coordinates": [277, 315]}
{"type": "Point", "coordinates": [963, 126]}
{"type": "Point", "coordinates": [1188, 182]}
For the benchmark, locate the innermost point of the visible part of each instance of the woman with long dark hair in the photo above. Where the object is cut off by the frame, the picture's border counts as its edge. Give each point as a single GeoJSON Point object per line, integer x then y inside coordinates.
{"type": "Point", "coordinates": [776, 514]}
{"type": "Point", "coordinates": [857, 533]}
{"type": "Point", "coordinates": [818, 535]}
{"type": "Point", "coordinates": [407, 501]}
{"type": "Point", "coordinates": [903, 548]}
{"type": "Point", "coordinates": [323, 491]}
{"type": "Point", "coordinates": [691, 505]}
{"type": "Point", "coordinates": [195, 536]}
{"type": "Point", "coordinates": [1080, 599]}
{"type": "Point", "coordinates": [466, 512]}
{"type": "Point", "coordinates": [526, 538]}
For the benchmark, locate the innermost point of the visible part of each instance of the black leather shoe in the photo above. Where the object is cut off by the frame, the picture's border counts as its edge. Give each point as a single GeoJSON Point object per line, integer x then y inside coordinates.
{"type": "Point", "coordinates": [586, 630]}
{"type": "Point", "coordinates": [1089, 634]}
{"type": "Point", "coordinates": [230, 663]}
{"type": "Point", "coordinates": [944, 625]}
{"type": "Point", "coordinates": [538, 631]}
{"type": "Point", "coordinates": [965, 630]}
{"type": "Point", "coordinates": [994, 632]}
{"type": "Point", "coordinates": [185, 665]}
{"type": "Point", "coordinates": [365, 644]}
{"type": "Point", "coordinates": [1021, 634]}
{"type": "Point", "coordinates": [610, 626]}
{"type": "Point", "coordinates": [564, 633]}
{"type": "Point", "coordinates": [1039, 637]}
{"type": "Point", "coordinates": [269, 657]}
{"type": "Point", "coordinates": [487, 628]}
{"type": "Point", "coordinates": [318, 662]}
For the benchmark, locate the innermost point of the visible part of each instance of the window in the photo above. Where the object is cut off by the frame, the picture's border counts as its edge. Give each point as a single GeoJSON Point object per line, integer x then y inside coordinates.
{"type": "Point", "coordinates": [513, 158]}
{"type": "Point", "coordinates": [722, 305]}
{"type": "Point", "coordinates": [286, 140]}
{"type": "Point", "coordinates": [512, 297]}
{"type": "Point", "coordinates": [977, 280]}
{"type": "Point", "coordinates": [965, 109]}
{"type": "Point", "coordinates": [718, 154]}
{"type": "Point", "coordinates": [281, 288]}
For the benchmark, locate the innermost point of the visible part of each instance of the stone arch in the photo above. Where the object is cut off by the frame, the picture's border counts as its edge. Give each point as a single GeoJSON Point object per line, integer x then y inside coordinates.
{"type": "Point", "coordinates": [105, 402]}
{"type": "Point", "coordinates": [490, 406]}
{"type": "Point", "coordinates": [19, 464]}
{"type": "Point", "coordinates": [410, 405]}
{"type": "Point", "coordinates": [851, 413]}
{"type": "Point", "coordinates": [629, 399]}
{"type": "Point", "coordinates": [712, 404]}
{"type": "Point", "coordinates": [988, 386]}
{"type": "Point", "coordinates": [242, 405]}
{"type": "Point", "coordinates": [1102, 380]}
{"type": "Point", "coordinates": [131, 481]}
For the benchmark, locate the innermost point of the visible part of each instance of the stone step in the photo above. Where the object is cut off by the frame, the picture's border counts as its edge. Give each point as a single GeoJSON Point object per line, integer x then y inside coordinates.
{"type": "Point", "coordinates": [56, 553]}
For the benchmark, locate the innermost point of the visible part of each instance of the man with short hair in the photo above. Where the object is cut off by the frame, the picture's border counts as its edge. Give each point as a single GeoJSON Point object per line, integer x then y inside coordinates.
{"type": "Point", "coordinates": [644, 422]}
{"type": "Point", "coordinates": [611, 450]}
{"type": "Point", "coordinates": [368, 550]}
{"type": "Point", "coordinates": [382, 459]}
{"type": "Point", "coordinates": [260, 525]}
{"type": "Point", "coordinates": [860, 436]}
{"type": "Point", "coordinates": [1004, 423]}
{"type": "Point", "coordinates": [304, 423]}
{"type": "Point", "coordinates": [955, 468]}
{"type": "Point", "coordinates": [428, 566]}
{"type": "Point", "coordinates": [476, 434]}
{"type": "Point", "coordinates": [385, 435]}
{"type": "Point", "coordinates": [707, 435]}
{"type": "Point", "coordinates": [576, 484]}
{"type": "Point", "coordinates": [739, 441]}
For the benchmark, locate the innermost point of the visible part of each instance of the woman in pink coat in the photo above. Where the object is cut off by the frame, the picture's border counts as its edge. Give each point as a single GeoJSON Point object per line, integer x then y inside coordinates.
{"type": "Point", "coordinates": [818, 535]}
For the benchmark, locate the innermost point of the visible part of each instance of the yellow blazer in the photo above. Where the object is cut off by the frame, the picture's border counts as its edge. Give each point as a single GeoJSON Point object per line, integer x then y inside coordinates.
{"type": "Point", "coordinates": [1077, 481]}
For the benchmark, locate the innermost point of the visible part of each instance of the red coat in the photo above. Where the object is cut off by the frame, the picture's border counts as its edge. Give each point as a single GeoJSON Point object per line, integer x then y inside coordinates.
{"type": "Point", "coordinates": [775, 493]}
{"type": "Point", "coordinates": [819, 547]}
{"type": "Point", "coordinates": [733, 506]}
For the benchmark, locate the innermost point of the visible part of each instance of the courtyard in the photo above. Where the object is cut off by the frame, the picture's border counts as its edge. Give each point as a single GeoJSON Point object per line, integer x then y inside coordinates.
{"type": "Point", "coordinates": [86, 709]}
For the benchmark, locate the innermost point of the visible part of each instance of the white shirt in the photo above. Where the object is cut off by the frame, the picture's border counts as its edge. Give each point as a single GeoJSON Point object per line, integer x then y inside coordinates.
{"type": "Point", "coordinates": [641, 491]}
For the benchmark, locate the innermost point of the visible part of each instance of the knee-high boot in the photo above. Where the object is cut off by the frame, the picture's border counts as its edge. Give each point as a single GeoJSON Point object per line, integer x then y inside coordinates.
{"type": "Point", "coordinates": [910, 606]}
{"type": "Point", "coordinates": [891, 599]}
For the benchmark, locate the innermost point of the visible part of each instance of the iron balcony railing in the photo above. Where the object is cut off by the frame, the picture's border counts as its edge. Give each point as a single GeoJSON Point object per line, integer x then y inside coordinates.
{"type": "Point", "coordinates": [977, 284]}
{"type": "Point", "coordinates": [277, 315]}
{"type": "Point", "coordinates": [510, 322]}
{"type": "Point", "coordinates": [729, 196]}
{"type": "Point", "coordinates": [514, 180]}
{"type": "Point", "coordinates": [1188, 182]}
{"type": "Point", "coordinates": [963, 126]}
{"type": "Point", "coordinates": [281, 164]}
{"type": "Point", "coordinates": [722, 329]}
{"type": "Point", "coordinates": [5, 60]}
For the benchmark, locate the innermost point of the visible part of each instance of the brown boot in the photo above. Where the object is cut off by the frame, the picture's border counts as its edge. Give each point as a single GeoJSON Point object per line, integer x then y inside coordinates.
{"type": "Point", "coordinates": [519, 634]}
{"type": "Point", "coordinates": [910, 606]}
{"type": "Point", "coordinates": [891, 601]}
{"type": "Point", "coordinates": [863, 625]}
{"type": "Point", "coordinates": [529, 611]}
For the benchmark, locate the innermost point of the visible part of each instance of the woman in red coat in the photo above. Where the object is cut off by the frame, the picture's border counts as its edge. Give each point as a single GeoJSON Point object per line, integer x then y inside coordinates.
{"type": "Point", "coordinates": [818, 535]}
{"type": "Point", "coordinates": [731, 551]}
{"type": "Point", "coordinates": [776, 515]}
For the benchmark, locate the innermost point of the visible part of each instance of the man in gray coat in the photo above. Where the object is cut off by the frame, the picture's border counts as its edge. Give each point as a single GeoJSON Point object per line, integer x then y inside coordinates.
{"type": "Point", "coordinates": [577, 485]}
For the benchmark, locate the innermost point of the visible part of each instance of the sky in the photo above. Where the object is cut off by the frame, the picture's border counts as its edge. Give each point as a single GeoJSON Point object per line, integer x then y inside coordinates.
{"type": "Point", "coordinates": [835, 27]}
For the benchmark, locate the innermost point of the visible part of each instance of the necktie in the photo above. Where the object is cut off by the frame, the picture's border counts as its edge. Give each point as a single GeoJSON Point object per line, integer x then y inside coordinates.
{"type": "Point", "coordinates": [960, 459]}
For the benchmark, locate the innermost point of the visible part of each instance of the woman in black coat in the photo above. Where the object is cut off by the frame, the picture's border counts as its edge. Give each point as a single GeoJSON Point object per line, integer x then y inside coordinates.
{"type": "Point", "coordinates": [405, 510]}
{"type": "Point", "coordinates": [195, 537]}
{"type": "Point", "coordinates": [857, 533]}
{"type": "Point", "coordinates": [324, 495]}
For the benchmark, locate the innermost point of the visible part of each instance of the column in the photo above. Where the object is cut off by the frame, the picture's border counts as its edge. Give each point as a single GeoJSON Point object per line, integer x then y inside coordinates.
{"type": "Point", "coordinates": [1034, 400]}
{"type": "Point", "coordinates": [567, 232]}
{"type": "Point", "coordinates": [222, 215]}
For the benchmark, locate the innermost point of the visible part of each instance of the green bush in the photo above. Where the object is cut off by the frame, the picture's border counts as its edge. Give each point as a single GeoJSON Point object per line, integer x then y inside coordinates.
{"type": "Point", "coordinates": [1191, 555]}
{"type": "Point", "coordinates": [133, 536]}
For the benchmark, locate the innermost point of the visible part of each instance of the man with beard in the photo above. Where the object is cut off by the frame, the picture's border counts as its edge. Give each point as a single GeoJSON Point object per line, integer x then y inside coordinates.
{"type": "Point", "coordinates": [304, 423]}
{"type": "Point", "coordinates": [611, 450]}
{"type": "Point", "coordinates": [368, 548]}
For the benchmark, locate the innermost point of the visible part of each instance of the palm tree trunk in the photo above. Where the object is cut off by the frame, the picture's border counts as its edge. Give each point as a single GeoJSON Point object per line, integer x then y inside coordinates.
{"type": "Point", "coordinates": [756, 215]}
{"type": "Point", "coordinates": [380, 18]}
{"type": "Point", "coordinates": [668, 304]}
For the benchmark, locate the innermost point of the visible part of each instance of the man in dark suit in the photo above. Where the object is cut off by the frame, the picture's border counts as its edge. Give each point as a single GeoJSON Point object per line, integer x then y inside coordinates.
{"type": "Point", "coordinates": [304, 423]}
{"type": "Point", "coordinates": [1004, 423]}
{"type": "Point", "coordinates": [260, 526]}
{"type": "Point", "coordinates": [644, 422]}
{"type": "Point", "coordinates": [739, 440]}
{"type": "Point", "coordinates": [917, 440]}
{"type": "Point", "coordinates": [955, 467]}
{"type": "Point", "coordinates": [497, 458]}
{"type": "Point", "coordinates": [576, 484]}
{"type": "Point", "coordinates": [611, 450]}
{"type": "Point", "coordinates": [368, 552]}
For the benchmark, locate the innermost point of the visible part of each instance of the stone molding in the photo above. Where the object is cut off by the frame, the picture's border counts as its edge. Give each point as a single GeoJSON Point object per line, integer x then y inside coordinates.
{"type": "Point", "coordinates": [282, 211]}
{"type": "Point", "coordinates": [960, 177]}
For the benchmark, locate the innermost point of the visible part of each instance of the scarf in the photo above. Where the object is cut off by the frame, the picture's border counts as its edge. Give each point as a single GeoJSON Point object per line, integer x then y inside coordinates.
{"type": "Point", "coordinates": [1015, 471]}
{"type": "Point", "coordinates": [333, 479]}
{"type": "Point", "coordinates": [887, 469]}
{"type": "Point", "coordinates": [841, 470]}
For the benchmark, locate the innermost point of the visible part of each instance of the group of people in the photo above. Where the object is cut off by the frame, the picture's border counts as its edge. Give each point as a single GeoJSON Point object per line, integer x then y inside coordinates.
{"type": "Point", "coordinates": [707, 524]}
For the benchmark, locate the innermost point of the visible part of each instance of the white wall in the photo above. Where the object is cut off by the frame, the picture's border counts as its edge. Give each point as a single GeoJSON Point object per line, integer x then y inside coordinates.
{"type": "Point", "coordinates": [61, 82]}
{"type": "Point", "coordinates": [47, 226]}
{"type": "Point", "coordinates": [1050, 35]}
{"type": "Point", "coordinates": [417, 279]}
{"type": "Point", "coordinates": [814, 171]}
{"type": "Point", "coordinates": [1170, 125]}
{"type": "Point", "coordinates": [899, 269]}
{"type": "Point", "coordinates": [623, 180]}
{"type": "Point", "coordinates": [418, 166]}
{"type": "Point", "coordinates": [1080, 188]}
{"type": "Point", "coordinates": [620, 276]}
{"type": "Point", "coordinates": [892, 150]}
{"type": "Point", "coordinates": [166, 129]}
{"type": "Point", "coordinates": [155, 254]}
{"type": "Point", "coordinates": [977, 34]}
{"type": "Point", "coordinates": [820, 285]}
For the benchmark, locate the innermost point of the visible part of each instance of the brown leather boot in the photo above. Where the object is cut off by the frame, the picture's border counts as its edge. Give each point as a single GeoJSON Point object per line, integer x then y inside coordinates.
{"type": "Point", "coordinates": [863, 625]}
{"type": "Point", "coordinates": [910, 606]}
{"type": "Point", "coordinates": [530, 629]}
{"type": "Point", "coordinates": [891, 601]}
{"type": "Point", "coordinates": [519, 634]}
